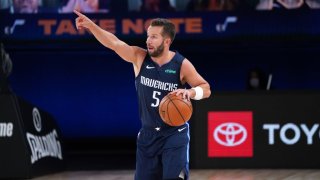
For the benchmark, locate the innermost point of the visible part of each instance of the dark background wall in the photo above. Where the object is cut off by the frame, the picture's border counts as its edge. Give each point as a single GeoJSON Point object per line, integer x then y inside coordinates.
{"type": "Point", "coordinates": [90, 91]}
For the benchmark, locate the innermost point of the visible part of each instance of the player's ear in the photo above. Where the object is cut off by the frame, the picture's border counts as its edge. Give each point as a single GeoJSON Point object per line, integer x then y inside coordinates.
{"type": "Point", "coordinates": [167, 41]}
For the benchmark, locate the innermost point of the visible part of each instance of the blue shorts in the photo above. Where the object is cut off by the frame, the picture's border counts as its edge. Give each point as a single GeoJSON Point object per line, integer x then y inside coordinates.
{"type": "Point", "coordinates": [162, 154]}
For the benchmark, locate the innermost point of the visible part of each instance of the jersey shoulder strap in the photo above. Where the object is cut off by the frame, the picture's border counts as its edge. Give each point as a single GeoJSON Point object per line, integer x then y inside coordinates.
{"type": "Point", "coordinates": [178, 58]}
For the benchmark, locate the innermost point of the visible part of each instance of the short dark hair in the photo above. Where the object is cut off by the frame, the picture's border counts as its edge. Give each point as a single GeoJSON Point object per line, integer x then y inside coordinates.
{"type": "Point", "coordinates": [168, 27]}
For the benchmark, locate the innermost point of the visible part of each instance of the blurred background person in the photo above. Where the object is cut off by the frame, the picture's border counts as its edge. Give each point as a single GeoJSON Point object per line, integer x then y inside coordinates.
{"type": "Point", "coordinates": [87, 6]}
{"type": "Point", "coordinates": [153, 5]}
{"type": "Point", "coordinates": [313, 4]}
{"type": "Point", "coordinates": [197, 5]}
{"type": "Point", "coordinates": [256, 80]}
{"type": "Point", "coordinates": [25, 6]}
{"type": "Point", "coordinates": [134, 5]}
{"type": "Point", "coordinates": [212, 5]}
{"type": "Point", "coordinates": [288, 4]}
{"type": "Point", "coordinates": [29, 6]}
{"type": "Point", "coordinates": [226, 5]}
{"type": "Point", "coordinates": [50, 5]}
{"type": "Point", "coordinates": [5, 5]}
{"type": "Point", "coordinates": [156, 6]}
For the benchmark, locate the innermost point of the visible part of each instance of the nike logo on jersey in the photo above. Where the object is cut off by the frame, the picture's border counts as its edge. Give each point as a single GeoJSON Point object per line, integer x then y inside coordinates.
{"type": "Point", "coordinates": [181, 129]}
{"type": "Point", "coordinates": [150, 67]}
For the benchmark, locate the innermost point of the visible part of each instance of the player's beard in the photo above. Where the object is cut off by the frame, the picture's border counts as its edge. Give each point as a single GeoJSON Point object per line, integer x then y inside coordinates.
{"type": "Point", "coordinates": [157, 51]}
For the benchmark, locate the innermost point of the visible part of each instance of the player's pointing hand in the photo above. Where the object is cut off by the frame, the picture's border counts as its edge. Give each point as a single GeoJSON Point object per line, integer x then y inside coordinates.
{"type": "Point", "coordinates": [82, 21]}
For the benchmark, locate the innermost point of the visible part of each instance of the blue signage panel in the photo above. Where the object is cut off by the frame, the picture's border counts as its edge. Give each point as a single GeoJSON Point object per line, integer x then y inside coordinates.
{"type": "Point", "coordinates": [195, 25]}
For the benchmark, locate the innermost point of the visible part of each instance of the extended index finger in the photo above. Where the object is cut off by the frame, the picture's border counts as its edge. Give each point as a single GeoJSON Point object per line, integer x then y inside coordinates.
{"type": "Point", "coordinates": [78, 13]}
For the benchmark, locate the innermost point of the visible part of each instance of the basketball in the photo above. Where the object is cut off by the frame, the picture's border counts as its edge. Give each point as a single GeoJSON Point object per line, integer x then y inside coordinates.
{"type": "Point", "coordinates": [174, 110]}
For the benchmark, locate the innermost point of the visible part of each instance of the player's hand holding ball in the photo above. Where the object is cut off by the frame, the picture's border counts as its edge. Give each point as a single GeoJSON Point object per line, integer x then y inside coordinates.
{"type": "Point", "coordinates": [175, 108]}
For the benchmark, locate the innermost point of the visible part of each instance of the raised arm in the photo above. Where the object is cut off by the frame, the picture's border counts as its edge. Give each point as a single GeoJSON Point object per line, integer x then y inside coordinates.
{"type": "Point", "coordinates": [131, 54]}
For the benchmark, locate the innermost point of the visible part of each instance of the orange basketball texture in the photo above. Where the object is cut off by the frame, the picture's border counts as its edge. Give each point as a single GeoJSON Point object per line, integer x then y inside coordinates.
{"type": "Point", "coordinates": [174, 110]}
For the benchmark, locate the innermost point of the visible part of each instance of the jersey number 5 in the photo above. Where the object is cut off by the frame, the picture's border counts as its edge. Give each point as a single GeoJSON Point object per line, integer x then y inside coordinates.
{"type": "Point", "coordinates": [155, 96]}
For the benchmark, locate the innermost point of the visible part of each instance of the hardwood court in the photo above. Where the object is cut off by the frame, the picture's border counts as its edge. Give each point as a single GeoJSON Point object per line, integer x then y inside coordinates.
{"type": "Point", "coordinates": [239, 174]}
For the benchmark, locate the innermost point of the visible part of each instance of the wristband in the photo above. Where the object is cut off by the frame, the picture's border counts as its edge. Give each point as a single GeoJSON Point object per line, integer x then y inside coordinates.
{"type": "Point", "coordinates": [199, 93]}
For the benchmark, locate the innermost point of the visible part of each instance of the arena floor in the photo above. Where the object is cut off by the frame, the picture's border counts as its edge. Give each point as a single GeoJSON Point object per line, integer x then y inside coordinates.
{"type": "Point", "coordinates": [239, 174]}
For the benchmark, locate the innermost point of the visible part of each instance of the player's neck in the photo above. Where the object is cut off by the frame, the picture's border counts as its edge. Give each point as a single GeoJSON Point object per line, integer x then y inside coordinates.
{"type": "Point", "coordinates": [165, 57]}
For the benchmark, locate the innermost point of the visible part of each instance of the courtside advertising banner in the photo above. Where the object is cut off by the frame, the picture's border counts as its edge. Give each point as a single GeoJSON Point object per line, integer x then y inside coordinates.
{"type": "Point", "coordinates": [230, 134]}
{"type": "Point", "coordinates": [30, 141]}
{"type": "Point", "coordinates": [257, 130]}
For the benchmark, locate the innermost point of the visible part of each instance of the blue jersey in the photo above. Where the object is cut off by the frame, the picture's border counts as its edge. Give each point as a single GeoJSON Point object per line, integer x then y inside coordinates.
{"type": "Point", "coordinates": [152, 84]}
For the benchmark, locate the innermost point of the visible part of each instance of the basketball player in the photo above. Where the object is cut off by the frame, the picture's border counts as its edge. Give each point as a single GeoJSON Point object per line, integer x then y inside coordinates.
{"type": "Point", "coordinates": [162, 150]}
